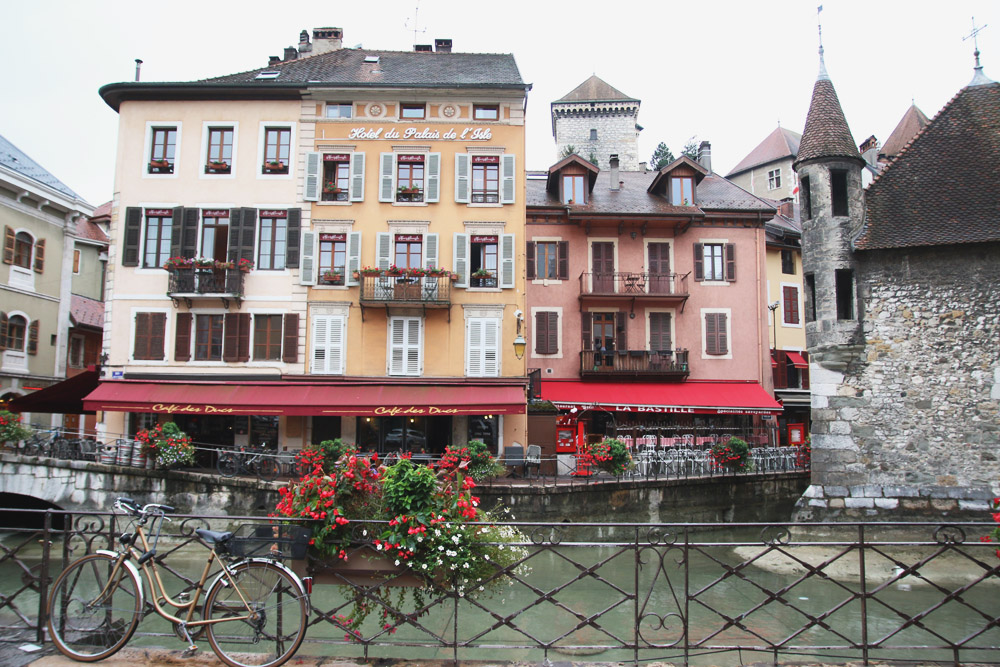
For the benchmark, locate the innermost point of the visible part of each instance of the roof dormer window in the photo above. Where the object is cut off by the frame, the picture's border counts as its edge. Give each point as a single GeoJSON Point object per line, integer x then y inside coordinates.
{"type": "Point", "coordinates": [682, 191]}
{"type": "Point", "coordinates": [574, 190]}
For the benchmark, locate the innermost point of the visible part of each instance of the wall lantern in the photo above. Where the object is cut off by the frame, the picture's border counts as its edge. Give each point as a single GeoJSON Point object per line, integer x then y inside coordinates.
{"type": "Point", "coordinates": [519, 342]}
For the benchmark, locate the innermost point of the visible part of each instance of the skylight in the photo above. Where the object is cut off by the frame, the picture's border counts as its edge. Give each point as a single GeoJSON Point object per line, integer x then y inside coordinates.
{"type": "Point", "coordinates": [268, 75]}
{"type": "Point", "coordinates": [371, 59]}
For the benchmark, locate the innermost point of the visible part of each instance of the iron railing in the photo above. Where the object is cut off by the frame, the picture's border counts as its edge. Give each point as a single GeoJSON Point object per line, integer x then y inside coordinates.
{"type": "Point", "coordinates": [635, 283]}
{"type": "Point", "coordinates": [205, 282]}
{"type": "Point", "coordinates": [427, 290]}
{"type": "Point", "coordinates": [613, 592]}
{"type": "Point", "coordinates": [662, 363]}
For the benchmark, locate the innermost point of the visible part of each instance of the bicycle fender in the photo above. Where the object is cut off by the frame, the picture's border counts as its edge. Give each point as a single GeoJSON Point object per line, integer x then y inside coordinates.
{"type": "Point", "coordinates": [135, 573]}
{"type": "Point", "coordinates": [282, 566]}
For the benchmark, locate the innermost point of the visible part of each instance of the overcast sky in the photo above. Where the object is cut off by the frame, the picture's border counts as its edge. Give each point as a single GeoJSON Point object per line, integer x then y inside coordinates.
{"type": "Point", "coordinates": [727, 71]}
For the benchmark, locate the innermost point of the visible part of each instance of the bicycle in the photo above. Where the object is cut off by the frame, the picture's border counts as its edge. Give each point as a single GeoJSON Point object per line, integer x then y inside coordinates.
{"type": "Point", "coordinates": [254, 462]}
{"type": "Point", "coordinates": [254, 615]}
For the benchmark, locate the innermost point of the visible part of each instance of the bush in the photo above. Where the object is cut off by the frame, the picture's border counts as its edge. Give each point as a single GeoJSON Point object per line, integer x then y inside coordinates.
{"type": "Point", "coordinates": [481, 464]}
{"type": "Point", "coordinates": [168, 443]}
{"type": "Point", "coordinates": [732, 454]}
{"type": "Point", "coordinates": [610, 455]}
{"type": "Point", "coordinates": [11, 428]}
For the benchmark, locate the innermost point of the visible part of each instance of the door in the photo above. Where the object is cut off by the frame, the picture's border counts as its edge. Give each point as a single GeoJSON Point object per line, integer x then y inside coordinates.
{"type": "Point", "coordinates": [659, 268]}
{"type": "Point", "coordinates": [603, 267]}
{"type": "Point", "coordinates": [604, 340]}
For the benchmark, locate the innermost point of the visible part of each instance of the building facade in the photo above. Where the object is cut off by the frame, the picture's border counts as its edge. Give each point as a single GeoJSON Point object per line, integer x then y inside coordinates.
{"type": "Point", "coordinates": [767, 170]}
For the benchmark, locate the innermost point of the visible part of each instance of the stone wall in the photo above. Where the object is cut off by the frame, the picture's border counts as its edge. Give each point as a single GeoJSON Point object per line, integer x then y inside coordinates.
{"type": "Point", "coordinates": [616, 133]}
{"type": "Point", "coordinates": [907, 423]}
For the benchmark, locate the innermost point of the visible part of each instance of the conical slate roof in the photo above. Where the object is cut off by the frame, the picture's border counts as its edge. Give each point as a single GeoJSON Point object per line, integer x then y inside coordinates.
{"type": "Point", "coordinates": [912, 122]}
{"type": "Point", "coordinates": [594, 89]}
{"type": "Point", "coordinates": [827, 134]}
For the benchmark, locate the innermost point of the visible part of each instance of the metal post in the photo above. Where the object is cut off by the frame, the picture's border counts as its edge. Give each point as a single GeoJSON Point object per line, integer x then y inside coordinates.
{"type": "Point", "coordinates": [44, 578]}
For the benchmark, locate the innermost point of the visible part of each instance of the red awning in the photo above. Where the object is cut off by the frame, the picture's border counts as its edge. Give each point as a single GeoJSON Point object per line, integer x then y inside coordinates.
{"type": "Point", "coordinates": [713, 398]}
{"type": "Point", "coordinates": [301, 398]}
{"type": "Point", "coordinates": [65, 398]}
{"type": "Point", "coordinates": [797, 360]}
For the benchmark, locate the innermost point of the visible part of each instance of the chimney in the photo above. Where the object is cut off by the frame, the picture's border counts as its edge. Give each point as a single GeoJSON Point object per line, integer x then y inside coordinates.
{"type": "Point", "coordinates": [273, 60]}
{"type": "Point", "coordinates": [327, 39]}
{"type": "Point", "coordinates": [613, 165]}
{"type": "Point", "coordinates": [304, 45]}
{"type": "Point", "coordinates": [642, 167]}
{"type": "Point", "coordinates": [291, 53]}
{"type": "Point", "coordinates": [787, 208]}
{"type": "Point", "coordinates": [138, 66]}
{"type": "Point", "coordinates": [442, 45]}
{"type": "Point", "coordinates": [705, 155]}
{"type": "Point", "coordinates": [423, 48]}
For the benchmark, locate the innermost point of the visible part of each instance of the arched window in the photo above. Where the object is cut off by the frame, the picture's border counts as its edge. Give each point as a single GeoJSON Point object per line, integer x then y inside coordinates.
{"type": "Point", "coordinates": [23, 244]}
{"type": "Point", "coordinates": [16, 328]}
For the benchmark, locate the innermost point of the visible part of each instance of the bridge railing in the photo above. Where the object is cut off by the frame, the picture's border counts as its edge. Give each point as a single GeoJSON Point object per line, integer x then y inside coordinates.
{"type": "Point", "coordinates": [626, 592]}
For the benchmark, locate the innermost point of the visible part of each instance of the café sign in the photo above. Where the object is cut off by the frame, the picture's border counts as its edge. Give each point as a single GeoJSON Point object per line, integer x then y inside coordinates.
{"type": "Point", "coordinates": [415, 134]}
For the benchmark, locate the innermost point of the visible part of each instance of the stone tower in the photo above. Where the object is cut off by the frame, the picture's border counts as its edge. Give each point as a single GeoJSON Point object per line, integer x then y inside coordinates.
{"type": "Point", "coordinates": [598, 121]}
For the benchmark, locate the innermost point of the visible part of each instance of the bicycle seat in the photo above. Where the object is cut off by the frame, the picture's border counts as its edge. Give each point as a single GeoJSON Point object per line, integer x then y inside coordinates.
{"type": "Point", "coordinates": [213, 536]}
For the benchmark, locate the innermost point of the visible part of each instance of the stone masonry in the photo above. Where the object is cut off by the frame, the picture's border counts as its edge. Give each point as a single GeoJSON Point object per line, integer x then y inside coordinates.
{"type": "Point", "coordinates": [615, 125]}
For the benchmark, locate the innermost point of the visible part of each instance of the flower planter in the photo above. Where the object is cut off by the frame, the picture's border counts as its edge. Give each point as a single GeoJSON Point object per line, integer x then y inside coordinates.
{"type": "Point", "coordinates": [364, 567]}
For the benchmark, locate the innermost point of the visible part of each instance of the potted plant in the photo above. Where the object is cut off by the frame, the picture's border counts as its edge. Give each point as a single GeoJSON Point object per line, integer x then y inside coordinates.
{"type": "Point", "coordinates": [224, 265]}
{"type": "Point", "coordinates": [610, 455]}
{"type": "Point", "coordinates": [274, 166]}
{"type": "Point", "coordinates": [168, 444]}
{"type": "Point", "coordinates": [330, 187]}
{"type": "Point", "coordinates": [159, 164]}
{"type": "Point", "coordinates": [204, 262]}
{"type": "Point", "coordinates": [732, 455]}
{"type": "Point", "coordinates": [333, 277]}
{"type": "Point", "coordinates": [217, 166]}
{"type": "Point", "coordinates": [11, 428]}
{"type": "Point", "coordinates": [482, 273]}
{"type": "Point", "coordinates": [244, 265]}
{"type": "Point", "coordinates": [481, 465]}
{"type": "Point", "coordinates": [175, 263]}
{"type": "Point", "coordinates": [370, 271]}
{"type": "Point", "coordinates": [393, 271]}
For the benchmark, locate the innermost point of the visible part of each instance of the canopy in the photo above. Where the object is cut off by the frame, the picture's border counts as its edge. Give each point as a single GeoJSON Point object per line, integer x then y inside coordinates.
{"type": "Point", "coordinates": [714, 398]}
{"type": "Point", "coordinates": [64, 397]}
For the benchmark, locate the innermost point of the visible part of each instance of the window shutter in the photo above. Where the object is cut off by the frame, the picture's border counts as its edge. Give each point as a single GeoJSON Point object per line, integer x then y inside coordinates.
{"type": "Point", "coordinates": [3, 331]}
{"type": "Point", "coordinates": [730, 262]}
{"type": "Point", "coordinates": [546, 332]}
{"type": "Point", "coordinates": [396, 331]}
{"type": "Point", "coordinates": [328, 345]}
{"type": "Point", "coordinates": [357, 189]}
{"type": "Point", "coordinates": [711, 335]}
{"type": "Point", "coordinates": [243, 349]}
{"type": "Point", "coordinates": [140, 349]}
{"type": "Point", "coordinates": [414, 357]}
{"type": "Point", "coordinates": [157, 336]}
{"type": "Point", "coordinates": [33, 337]}
{"type": "Point", "coordinates": [430, 283]}
{"type": "Point", "coordinates": [405, 354]}
{"type": "Point", "coordinates": [529, 260]}
{"type": "Point", "coordinates": [242, 234]}
{"type": "Point", "coordinates": [290, 346]}
{"type": "Point", "coordinates": [474, 348]}
{"type": "Point", "coordinates": [294, 238]}
{"type": "Point", "coordinates": [659, 332]}
{"type": "Point", "coordinates": [804, 372]}
{"type": "Point", "coordinates": [462, 162]}
{"type": "Point", "coordinates": [182, 337]}
{"type": "Point", "coordinates": [133, 234]}
{"type": "Point", "coordinates": [231, 337]}
{"type": "Point", "coordinates": [699, 261]}
{"type": "Point", "coordinates": [562, 259]}
{"type": "Point", "coordinates": [307, 273]}
{"type": "Point", "coordinates": [507, 179]}
{"type": "Point", "coordinates": [189, 235]}
{"type": "Point", "coordinates": [313, 167]}
{"type": "Point", "coordinates": [587, 329]}
{"type": "Point", "coordinates": [235, 227]}
{"type": "Point", "coordinates": [433, 191]}
{"type": "Point", "coordinates": [9, 240]}
{"type": "Point", "coordinates": [353, 258]}
{"type": "Point", "coordinates": [553, 332]}
{"type": "Point", "coordinates": [507, 261]}
{"type": "Point", "coordinates": [723, 338]}
{"type": "Point", "coordinates": [462, 259]}
{"type": "Point", "coordinates": [790, 297]}
{"type": "Point", "coordinates": [780, 369]}
{"type": "Point", "coordinates": [386, 189]}
{"type": "Point", "coordinates": [383, 250]}
{"type": "Point", "coordinates": [621, 339]}
{"type": "Point", "coordinates": [39, 256]}
{"type": "Point", "coordinates": [491, 347]}
{"type": "Point", "coordinates": [176, 231]}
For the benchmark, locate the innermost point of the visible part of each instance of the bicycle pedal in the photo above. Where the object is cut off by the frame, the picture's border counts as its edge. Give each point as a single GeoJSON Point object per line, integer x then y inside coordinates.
{"type": "Point", "coordinates": [189, 651]}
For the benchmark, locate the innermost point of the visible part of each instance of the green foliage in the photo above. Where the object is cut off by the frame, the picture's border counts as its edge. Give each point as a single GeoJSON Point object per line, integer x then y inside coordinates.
{"type": "Point", "coordinates": [732, 454]}
{"type": "Point", "coordinates": [593, 158]}
{"type": "Point", "coordinates": [610, 455]}
{"type": "Point", "coordinates": [480, 464]}
{"type": "Point", "coordinates": [662, 156]}
{"type": "Point", "coordinates": [691, 148]}
{"type": "Point", "coordinates": [170, 445]}
{"type": "Point", "coordinates": [332, 450]}
{"type": "Point", "coordinates": [408, 488]}
{"type": "Point", "coordinates": [11, 428]}
{"type": "Point", "coordinates": [569, 150]}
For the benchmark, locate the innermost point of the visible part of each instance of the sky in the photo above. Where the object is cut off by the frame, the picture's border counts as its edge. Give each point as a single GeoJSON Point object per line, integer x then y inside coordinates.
{"type": "Point", "coordinates": [726, 71]}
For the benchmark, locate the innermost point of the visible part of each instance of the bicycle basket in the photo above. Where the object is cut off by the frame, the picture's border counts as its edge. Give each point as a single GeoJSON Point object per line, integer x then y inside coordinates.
{"type": "Point", "coordinates": [269, 540]}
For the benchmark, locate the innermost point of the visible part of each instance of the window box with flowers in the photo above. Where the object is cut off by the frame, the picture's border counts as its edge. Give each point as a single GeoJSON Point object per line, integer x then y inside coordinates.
{"type": "Point", "coordinates": [483, 278]}
{"type": "Point", "coordinates": [168, 444]}
{"type": "Point", "coordinates": [333, 192]}
{"type": "Point", "coordinates": [203, 262]}
{"type": "Point", "coordinates": [275, 167]}
{"type": "Point", "coordinates": [161, 167]}
{"type": "Point", "coordinates": [370, 271]}
{"type": "Point", "coordinates": [175, 263]}
{"type": "Point", "coordinates": [332, 277]}
{"type": "Point", "coordinates": [244, 265]}
{"type": "Point", "coordinates": [217, 167]}
{"type": "Point", "coordinates": [409, 194]}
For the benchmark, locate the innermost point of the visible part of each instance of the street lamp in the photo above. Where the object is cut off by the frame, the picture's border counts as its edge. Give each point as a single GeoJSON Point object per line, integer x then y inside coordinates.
{"type": "Point", "coordinates": [774, 322]}
{"type": "Point", "coordinates": [519, 342]}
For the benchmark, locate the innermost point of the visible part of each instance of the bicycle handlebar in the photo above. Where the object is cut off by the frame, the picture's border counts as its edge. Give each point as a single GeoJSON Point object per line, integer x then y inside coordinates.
{"type": "Point", "coordinates": [133, 508]}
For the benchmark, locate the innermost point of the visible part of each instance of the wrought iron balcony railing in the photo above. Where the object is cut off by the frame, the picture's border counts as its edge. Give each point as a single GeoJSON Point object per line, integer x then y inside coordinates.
{"type": "Point", "coordinates": [427, 290]}
{"type": "Point", "coordinates": [663, 363]}
{"type": "Point", "coordinates": [193, 283]}
{"type": "Point", "coordinates": [634, 284]}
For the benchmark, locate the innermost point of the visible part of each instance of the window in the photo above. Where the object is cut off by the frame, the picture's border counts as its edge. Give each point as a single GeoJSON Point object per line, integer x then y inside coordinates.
{"type": "Point", "coordinates": [150, 331]}
{"type": "Point", "coordinates": [774, 179]}
{"type": "Point", "coordinates": [805, 200]}
{"type": "Point", "coordinates": [682, 191]}
{"type": "Point", "coordinates": [17, 325]}
{"type": "Point", "coordinates": [483, 258]}
{"type": "Point", "coordinates": [412, 111]}
{"type": "Point", "coordinates": [77, 256]}
{"type": "Point", "coordinates": [277, 144]}
{"type": "Point", "coordinates": [273, 239]}
{"type": "Point", "coordinates": [845, 294]}
{"type": "Point", "coordinates": [328, 339]}
{"type": "Point", "coordinates": [482, 347]}
{"type": "Point", "coordinates": [267, 335]}
{"type": "Point", "coordinates": [333, 255]}
{"type": "Point", "coordinates": [545, 259]}
{"type": "Point", "coordinates": [23, 243]}
{"type": "Point", "coordinates": [715, 262]}
{"type": "Point", "coordinates": [485, 179]}
{"type": "Point", "coordinates": [339, 110]}
{"type": "Point", "coordinates": [220, 150]}
{"type": "Point", "coordinates": [716, 334]}
{"type": "Point", "coordinates": [593, 134]}
{"type": "Point", "coordinates": [810, 283]}
{"type": "Point", "coordinates": [161, 150]}
{"type": "Point", "coordinates": [485, 112]}
{"type": "Point", "coordinates": [603, 335]}
{"type": "Point", "coordinates": [788, 262]}
{"type": "Point", "coordinates": [405, 342]}
{"type": "Point", "coordinates": [408, 251]}
{"type": "Point", "coordinates": [410, 178]}
{"type": "Point", "coordinates": [215, 234]}
{"type": "Point", "coordinates": [76, 348]}
{"type": "Point", "coordinates": [790, 302]}
{"type": "Point", "coordinates": [336, 176]}
{"type": "Point", "coordinates": [208, 337]}
{"type": "Point", "coordinates": [547, 332]}
{"type": "Point", "coordinates": [573, 190]}
{"type": "Point", "coordinates": [838, 192]}
{"type": "Point", "coordinates": [159, 225]}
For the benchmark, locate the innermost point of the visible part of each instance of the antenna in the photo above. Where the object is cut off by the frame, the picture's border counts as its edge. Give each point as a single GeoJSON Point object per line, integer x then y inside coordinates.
{"type": "Point", "coordinates": [416, 23]}
{"type": "Point", "coordinates": [819, 25]}
{"type": "Point", "coordinates": [975, 38]}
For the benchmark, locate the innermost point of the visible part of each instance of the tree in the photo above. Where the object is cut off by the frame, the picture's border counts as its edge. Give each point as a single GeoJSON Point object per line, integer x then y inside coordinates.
{"type": "Point", "coordinates": [661, 157]}
{"type": "Point", "coordinates": [570, 149]}
{"type": "Point", "coordinates": [691, 148]}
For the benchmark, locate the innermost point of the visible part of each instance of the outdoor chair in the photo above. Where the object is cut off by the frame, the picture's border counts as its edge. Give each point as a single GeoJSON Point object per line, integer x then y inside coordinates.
{"type": "Point", "coordinates": [513, 458]}
{"type": "Point", "coordinates": [533, 459]}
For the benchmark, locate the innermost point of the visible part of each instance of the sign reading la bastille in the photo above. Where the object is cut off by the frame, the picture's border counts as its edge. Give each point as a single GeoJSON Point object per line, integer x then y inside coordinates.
{"type": "Point", "coordinates": [467, 134]}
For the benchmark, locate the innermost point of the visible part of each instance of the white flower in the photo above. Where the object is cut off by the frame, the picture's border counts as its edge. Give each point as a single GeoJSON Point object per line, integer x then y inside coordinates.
{"type": "Point", "coordinates": [486, 556]}
{"type": "Point", "coordinates": [440, 548]}
{"type": "Point", "coordinates": [420, 538]}
{"type": "Point", "coordinates": [456, 539]}
{"type": "Point", "coordinates": [453, 566]}
{"type": "Point", "coordinates": [379, 546]}
{"type": "Point", "coordinates": [465, 566]}
{"type": "Point", "coordinates": [482, 588]}
{"type": "Point", "coordinates": [397, 563]}
{"type": "Point", "coordinates": [365, 532]}
{"type": "Point", "coordinates": [437, 533]}
{"type": "Point", "coordinates": [450, 553]}
{"type": "Point", "coordinates": [423, 566]}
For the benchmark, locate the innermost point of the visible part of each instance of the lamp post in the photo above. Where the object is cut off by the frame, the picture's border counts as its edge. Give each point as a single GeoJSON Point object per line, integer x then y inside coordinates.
{"type": "Point", "coordinates": [774, 322]}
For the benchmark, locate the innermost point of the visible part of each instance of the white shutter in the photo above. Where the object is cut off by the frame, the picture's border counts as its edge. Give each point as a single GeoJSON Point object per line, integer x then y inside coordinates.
{"type": "Point", "coordinates": [508, 179]}
{"type": "Point", "coordinates": [507, 260]}
{"type": "Point", "coordinates": [383, 250]}
{"type": "Point", "coordinates": [328, 338]}
{"type": "Point", "coordinates": [491, 348]}
{"type": "Point", "coordinates": [430, 283]}
{"type": "Point", "coordinates": [482, 357]}
{"type": "Point", "coordinates": [386, 190]}
{"type": "Point", "coordinates": [433, 190]}
{"type": "Point", "coordinates": [462, 162]}
{"type": "Point", "coordinates": [396, 330]}
{"type": "Point", "coordinates": [320, 341]}
{"type": "Point", "coordinates": [313, 167]}
{"type": "Point", "coordinates": [405, 346]}
{"type": "Point", "coordinates": [357, 187]}
{"type": "Point", "coordinates": [474, 348]}
{"type": "Point", "coordinates": [307, 261]}
{"type": "Point", "coordinates": [414, 358]}
{"type": "Point", "coordinates": [353, 257]}
{"type": "Point", "coordinates": [335, 356]}
{"type": "Point", "coordinates": [462, 259]}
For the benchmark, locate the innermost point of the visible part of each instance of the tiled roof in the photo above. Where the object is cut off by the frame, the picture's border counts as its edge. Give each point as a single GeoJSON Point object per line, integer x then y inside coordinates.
{"type": "Point", "coordinates": [86, 312]}
{"type": "Point", "coordinates": [594, 89]}
{"type": "Point", "coordinates": [103, 211]}
{"type": "Point", "coordinates": [912, 122]}
{"type": "Point", "coordinates": [91, 231]}
{"type": "Point", "coordinates": [16, 160]}
{"type": "Point", "coordinates": [782, 143]}
{"type": "Point", "coordinates": [942, 189]}
{"type": "Point", "coordinates": [826, 134]}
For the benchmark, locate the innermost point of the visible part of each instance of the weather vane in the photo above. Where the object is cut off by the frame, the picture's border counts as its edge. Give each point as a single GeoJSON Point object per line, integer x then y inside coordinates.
{"type": "Point", "coordinates": [975, 38]}
{"type": "Point", "coordinates": [416, 20]}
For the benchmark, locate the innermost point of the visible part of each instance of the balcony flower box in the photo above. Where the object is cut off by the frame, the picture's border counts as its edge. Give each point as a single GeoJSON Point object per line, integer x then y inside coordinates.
{"type": "Point", "coordinates": [332, 278]}
{"type": "Point", "coordinates": [244, 265]}
{"type": "Point", "coordinates": [213, 167]}
{"type": "Point", "coordinates": [176, 263]}
{"type": "Point", "coordinates": [161, 167]}
{"type": "Point", "coordinates": [275, 167]}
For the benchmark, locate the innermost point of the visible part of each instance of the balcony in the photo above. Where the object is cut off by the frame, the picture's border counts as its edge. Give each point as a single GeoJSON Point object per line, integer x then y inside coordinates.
{"type": "Point", "coordinates": [619, 364]}
{"type": "Point", "coordinates": [425, 292]}
{"type": "Point", "coordinates": [643, 286]}
{"type": "Point", "coordinates": [188, 284]}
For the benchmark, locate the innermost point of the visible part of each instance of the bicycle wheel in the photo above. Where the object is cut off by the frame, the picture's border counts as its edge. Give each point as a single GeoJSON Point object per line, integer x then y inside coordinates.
{"type": "Point", "coordinates": [267, 469]}
{"type": "Point", "coordinates": [228, 465]}
{"type": "Point", "coordinates": [277, 616]}
{"type": "Point", "coordinates": [85, 624]}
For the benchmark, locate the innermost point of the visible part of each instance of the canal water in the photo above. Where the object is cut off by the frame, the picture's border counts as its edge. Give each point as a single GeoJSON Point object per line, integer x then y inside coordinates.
{"type": "Point", "coordinates": [585, 596]}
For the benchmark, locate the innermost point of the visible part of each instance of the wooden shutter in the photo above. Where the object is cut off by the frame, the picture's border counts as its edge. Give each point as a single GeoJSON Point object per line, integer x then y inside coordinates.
{"type": "Point", "coordinates": [462, 190]}
{"type": "Point", "coordinates": [39, 256]}
{"type": "Point", "coordinates": [177, 230]}
{"type": "Point", "coordinates": [404, 343]}
{"type": "Point", "coordinates": [731, 262]}
{"type": "Point", "coordinates": [507, 261]}
{"type": "Point", "coordinates": [9, 241]}
{"type": "Point", "coordinates": [290, 344]}
{"type": "Point", "coordinates": [33, 337]}
{"type": "Point", "coordinates": [182, 337]}
{"type": "Point", "coordinates": [140, 349]}
{"type": "Point", "coordinates": [562, 259]}
{"type": "Point", "coordinates": [659, 332]}
{"type": "Point", "coordinates": [529, 260]}
{"type": "Point", "coordinates": [357, 189]}
{"type": "Point", "coordinates": [294, 238]}
{"type": "Point", "coordinates": [431, 251]}
{"type": "Point", "coordinates": [790, 301]}
{"type": "Point", "coordinates": [383, 250]}
{"type": "Point", "coordinates": [433, 191]}
{"type": "Point", "coordinates": [243, 347]}
{"type": "Point", "coordinates": [3, 331]}
{"type": "Point", "coordinates": [491, 347]}
{"type": "Point", "coordinates": [133, 236]}
{"type": "Point", "coordinates": [150, 332]}
{"type": "Point", "coordinates": [780, 369]}
{"type": "Point", "coordinates": [231, 337]}
{"type": "Point", "coordinates": [482, 347]}
{"type": "Point", "coordinates": [314, 165]}
{"type": "Point", "coordinates": [242, 234]}
{"type": "Point", "coordinates": [189, 235]}
{"type": "Point", "coordinates": [621, 339]}
{"type": "Point", "coordinates": [723, 336]}
{"type": "Point", "coordinates": [716, 341]}
{"type": "Point", "coordinates": [387, 168]}
{"type": "Point", "coordinates": [699, 261]}
{"type": "Point", "coordinates": [353, 257]}
{"type": "Point", "coordinates": [804, 372]}
{"type": "Point", "coordinates": [474, 347]}
{"type": "Point", "coordinates": [546, 332]}
{"type": "Point", "coordinates": [507, 179]}
{"type": "Point", "coordinates": [461, 251]}
{"type": "Point", "coordinates": [587, 330]}
{"type": "Point", "coordinates": [307, 273]}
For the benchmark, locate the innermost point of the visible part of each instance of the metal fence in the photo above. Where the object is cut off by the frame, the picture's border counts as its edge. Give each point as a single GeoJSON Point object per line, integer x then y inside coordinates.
{"type": "Point", "coordinates": [690, 594]}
